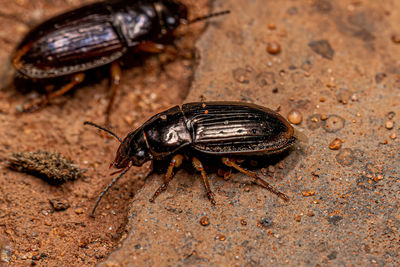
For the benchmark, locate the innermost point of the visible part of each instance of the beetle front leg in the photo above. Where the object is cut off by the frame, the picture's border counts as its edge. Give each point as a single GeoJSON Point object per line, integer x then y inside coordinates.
{"type": "Point", "coordinates": [152, 47]}
{"type": "Point", "coordinates": [166, 53]}
{"type": "Point", "coordinates": [76, 79]}
{"type": "Point", "coordinates": [175, 163]}
{"type": "Point", "coordinates": [115, 72]}
{"type": "Point", "coordinates": [199, 166]}
{"type": "Point", "coordinates": [231, 163]}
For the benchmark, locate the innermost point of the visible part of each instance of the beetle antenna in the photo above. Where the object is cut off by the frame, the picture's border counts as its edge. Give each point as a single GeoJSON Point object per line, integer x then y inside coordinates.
{"type": "Point", "coordinates": [104, 129]}
{"type": "Point", "coordinates": [107, 188]}
{"type": "Point", "coordinates": [209, 16]}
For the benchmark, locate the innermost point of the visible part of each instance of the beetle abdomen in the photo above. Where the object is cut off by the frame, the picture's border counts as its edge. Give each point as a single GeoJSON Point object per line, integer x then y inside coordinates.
{"type": "Point", "coordinates": [233, 127]}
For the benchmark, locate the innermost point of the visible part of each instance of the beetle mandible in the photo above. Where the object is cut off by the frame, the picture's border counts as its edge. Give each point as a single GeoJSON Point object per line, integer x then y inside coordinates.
{"type": "Point", "coordinates": [229, 130]}
{"type": "Point", "coordinates": [95, 35]}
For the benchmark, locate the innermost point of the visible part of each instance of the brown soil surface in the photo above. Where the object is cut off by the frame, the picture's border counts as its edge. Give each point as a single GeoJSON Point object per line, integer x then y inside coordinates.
{"type": "Point", "coordinates": [30, 227]}
{"type": "Point", "coordinates": [334, 62]}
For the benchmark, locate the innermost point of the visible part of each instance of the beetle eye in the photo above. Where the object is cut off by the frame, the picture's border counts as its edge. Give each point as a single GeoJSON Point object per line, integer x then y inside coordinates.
{"type": "Point", "coordinates": [140, 154]}
{"type": "Point", "coordinates": [171, 20]}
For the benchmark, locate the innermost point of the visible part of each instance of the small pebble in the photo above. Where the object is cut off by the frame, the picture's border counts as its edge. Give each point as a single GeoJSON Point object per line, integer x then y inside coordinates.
{"type": "Point", "coordinates": [19, 108]}
{"type": "Point", "coordinates": [273, 48]}
{"type": "Point", "coordinates": [378, 178]}
{"type": "Point", "coordinates": [391, 115]}
{"type": "Point", "coordinates": [295, 117]}
{"type": "Point", "coordinates": [271, 169]}
{"type": "Point", "coordinates": [310, 213]}
{"type": "Point", "coordinates": [393, 136]}
{"type": "Point", "coordinates": [243, 222]}
{"type": "Point", "coordinates": [308, 193]}
{"type": "Point", "coordinates": [204, 221]}
{"type": "Point", "coordinates": [354, 98]}
{"type": "Point", "coordinates": [335, 144]}
{"type": "Point", "coordinates": [220, 237]}
{"type": "Point", "coordinates": [321, 99]}
{"type": "Point", "coordinates": [271, 26]}
{"type": "Point", "coordinates": [79, 211]}
{"type": "Point", "coordinates": [396, 38]}
{"type": "Point", "coordinates": [265, 222]}
{"type": "Point", "coordinates": [330, 85]}
{"type": "Point", "coordinates": [59, 204]}
{"type": "Point", "coordinates": [323, 117]}
{"type": "Point", "coordinates": [129, 120]}
{"type": "Point", "coordinates": [297, 218]}
{"type": "Point", "coordinates": [389, 124]}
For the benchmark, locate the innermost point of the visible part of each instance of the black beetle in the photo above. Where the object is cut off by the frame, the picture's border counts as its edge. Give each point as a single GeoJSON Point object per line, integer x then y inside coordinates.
{"type": "Point", "coordinates": [93, 36]}
{"type": "Point", "coordinates": [226, 129]}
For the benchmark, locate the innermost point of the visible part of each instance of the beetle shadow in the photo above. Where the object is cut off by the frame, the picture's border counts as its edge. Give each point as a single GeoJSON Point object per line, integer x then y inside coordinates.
{"type": "Point", "coordinates": [283, 163]}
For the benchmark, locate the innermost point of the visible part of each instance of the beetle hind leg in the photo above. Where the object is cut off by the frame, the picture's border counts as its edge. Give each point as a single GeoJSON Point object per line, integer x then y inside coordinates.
{"type": "Point", "coordinates": [36, 105]}
{"type": "Point", "coordinates": [199, 166]}
{"type": "Point", "coordinates": [175, 163]}
{"type": "Point", "coordinates": [257, 180]}
{"type": "Point", "coordinates": [115, 72]}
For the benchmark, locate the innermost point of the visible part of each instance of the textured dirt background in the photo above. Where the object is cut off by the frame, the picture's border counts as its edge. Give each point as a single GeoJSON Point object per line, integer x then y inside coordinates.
{"type": "Point", "coordinates": [29, 226]}
{"type": "Point", "coordinates": [338, 66]}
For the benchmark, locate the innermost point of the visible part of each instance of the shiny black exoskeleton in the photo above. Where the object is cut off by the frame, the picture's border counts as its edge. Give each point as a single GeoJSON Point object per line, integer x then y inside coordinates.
{"type": "Point", "coordinates": [226, 129]}
{"type": "Point", "coordinates": [219, 128]}
{"type": "Point", "coordinates": [94, 35]}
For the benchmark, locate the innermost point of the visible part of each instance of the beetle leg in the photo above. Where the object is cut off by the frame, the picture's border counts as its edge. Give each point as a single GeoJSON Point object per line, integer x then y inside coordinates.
{"type": "Point", "coordinates": [166, 53]}
{"type": "Point", "coordinates": [115, 71]}
{"type": "Point", "coordinates": [175, 163]}
{"type": "Point", "coordinates": [76, 79]}
{"type": "Point", "coordinates": [199, 166]}
{"type": "Point", "coordinates": [225, 174]}
{"type": "Point", "coordinates": [231, 163]}
{"type": "Point", "coordinates": [151, 47]}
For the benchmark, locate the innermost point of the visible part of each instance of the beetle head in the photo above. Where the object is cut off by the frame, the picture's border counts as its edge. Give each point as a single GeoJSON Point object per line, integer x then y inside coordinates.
{"type": "Point", "coordinates": [133, 149]}
{"type": "Point", "coordinates": [173, 13]}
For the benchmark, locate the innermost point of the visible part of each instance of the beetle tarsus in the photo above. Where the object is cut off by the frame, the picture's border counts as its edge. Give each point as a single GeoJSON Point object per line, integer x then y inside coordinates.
{"type": "Point", "coordinates": [199, 167]}
{"type": "Point", "coordinates": [38, 104]}
{"type": "Point", "coordinates": [258, 180]}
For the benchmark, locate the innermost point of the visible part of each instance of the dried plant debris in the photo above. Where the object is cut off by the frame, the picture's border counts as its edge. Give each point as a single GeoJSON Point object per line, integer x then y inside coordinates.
{"type": "Point", "coordinates": [52, 167]}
